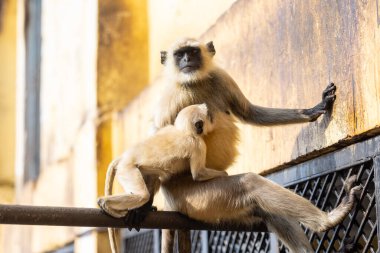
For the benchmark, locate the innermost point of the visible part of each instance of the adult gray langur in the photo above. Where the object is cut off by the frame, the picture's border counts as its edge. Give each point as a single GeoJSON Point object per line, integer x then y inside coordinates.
{"type": "Point", "coordinates": [193, 78]}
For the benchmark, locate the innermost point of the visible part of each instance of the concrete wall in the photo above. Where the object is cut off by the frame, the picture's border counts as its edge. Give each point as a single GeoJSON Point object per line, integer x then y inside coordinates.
{"type": "Point", "coordinates": [283, 54]}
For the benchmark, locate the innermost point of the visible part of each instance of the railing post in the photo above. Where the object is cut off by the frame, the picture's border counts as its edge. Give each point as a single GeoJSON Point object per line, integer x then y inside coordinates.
{"type": "Point", "coordinates": [156, 241]}
{"type": "Point", "coordinates": [204, 241]}
{"type": "Point", "coordinates": [274, 248]}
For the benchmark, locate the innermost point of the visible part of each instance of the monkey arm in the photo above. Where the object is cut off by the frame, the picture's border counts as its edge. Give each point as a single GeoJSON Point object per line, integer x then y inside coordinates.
{"type": "Point", "coordinates": [198, 168]}
{"type": "Point", "coordinates": [254, 114]}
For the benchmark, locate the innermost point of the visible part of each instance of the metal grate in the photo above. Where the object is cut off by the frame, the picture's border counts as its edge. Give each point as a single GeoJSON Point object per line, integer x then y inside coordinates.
{"type": "Point", "coordinates": [359, 228]}
{"type": "Point", "coordinates": [228, 241]}
{"type": "Point", "coordinates": [140, 242]}
{"type": "Point", "coordinates": [196, 244]}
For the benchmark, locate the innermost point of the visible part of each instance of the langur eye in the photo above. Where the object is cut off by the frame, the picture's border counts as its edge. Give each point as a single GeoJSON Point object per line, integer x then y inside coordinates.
{"type": "Point", "coordinates": [199, 126]}
{"type": "Point", "coordinates": [178, 54]}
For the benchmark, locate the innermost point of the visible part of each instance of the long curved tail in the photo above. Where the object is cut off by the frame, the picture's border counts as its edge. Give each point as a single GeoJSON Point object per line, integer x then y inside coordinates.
{"type": "Point", "coordinates": [110, 176]}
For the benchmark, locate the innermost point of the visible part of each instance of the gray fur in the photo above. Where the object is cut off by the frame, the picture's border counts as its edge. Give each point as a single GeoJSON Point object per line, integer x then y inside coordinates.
{"type": "Point", "coordinates": [246, 198]}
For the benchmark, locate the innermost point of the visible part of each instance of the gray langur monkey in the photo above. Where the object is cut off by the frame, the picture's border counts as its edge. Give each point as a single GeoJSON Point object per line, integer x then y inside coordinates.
{"type": "Point", "coordinates": [172, 150]}
{"type": "Point", "coordinates": [193, 78]}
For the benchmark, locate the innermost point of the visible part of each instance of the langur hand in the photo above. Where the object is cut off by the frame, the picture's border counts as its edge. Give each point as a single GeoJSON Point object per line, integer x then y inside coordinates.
{"type": "Point", "coordinates": [136, 216]}
{"type": "Point", "coordinates": [328, 98]}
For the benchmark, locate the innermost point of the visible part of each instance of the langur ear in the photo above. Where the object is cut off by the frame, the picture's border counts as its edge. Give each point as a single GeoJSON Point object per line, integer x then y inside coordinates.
{"type": "Point", "coordinates": [210, 48]}
{"type": "Point", "coordinates": [163, 57]}
{"type": "Point", "coordinates": [203, 107]}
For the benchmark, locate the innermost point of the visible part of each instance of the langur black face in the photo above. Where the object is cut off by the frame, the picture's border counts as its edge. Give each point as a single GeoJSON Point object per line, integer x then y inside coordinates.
{"type": "Point", "coordinates": [188, 59]}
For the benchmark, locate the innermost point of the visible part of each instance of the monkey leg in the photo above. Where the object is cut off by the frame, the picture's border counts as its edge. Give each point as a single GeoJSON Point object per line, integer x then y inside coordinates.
{"type": "Point", "coordinates": [137, 194]}
{"type": "Point", "coordinates": [337, 215]}
{"type": "Point", "coordinates": [167, 238]}
{"type": "Point", "coordinates": [184, 241]}
{"type": "Point", "coordinates": [207, 174]}
{"type": "Point", "coordinates": [219, 199]}
{"type": "Point", "coordinates": [273, 198]}
{"type": "Point", "coordinates": [250, 198]}
{"type": "Point", "coordinates": [290, 233]}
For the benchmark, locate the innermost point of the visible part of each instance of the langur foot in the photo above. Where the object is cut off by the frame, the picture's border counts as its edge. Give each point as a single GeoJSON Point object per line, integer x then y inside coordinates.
{"type": "Point", "coordinates": [135, 216]}
{"type": "Point", "coordinates": [338, 214]}
{"type": "Point", "coordinates": [349, 246]}
{"type": "Point", "coordinates": [351, 190]}
{"type": "Point", "coordinates": [349, 183]}
{"type": "Point", "coordinates": [102, 202]}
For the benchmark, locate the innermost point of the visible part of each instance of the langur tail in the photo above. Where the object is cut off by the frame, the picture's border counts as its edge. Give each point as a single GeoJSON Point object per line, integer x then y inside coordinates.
{"type": "Point", "coordinates": [111, 172]}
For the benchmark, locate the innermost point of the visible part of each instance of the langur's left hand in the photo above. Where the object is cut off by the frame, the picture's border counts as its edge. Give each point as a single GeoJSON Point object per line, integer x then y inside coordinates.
{"type": "Point", "coordinates": [328, 98]}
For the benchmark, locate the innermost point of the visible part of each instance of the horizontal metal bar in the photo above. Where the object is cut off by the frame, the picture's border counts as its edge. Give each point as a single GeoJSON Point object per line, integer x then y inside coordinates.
{"type": "Point", "coordinates": [94, 217]}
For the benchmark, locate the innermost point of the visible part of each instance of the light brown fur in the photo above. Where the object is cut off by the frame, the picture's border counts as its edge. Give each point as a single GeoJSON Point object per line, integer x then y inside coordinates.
{"type": "Point", "coordinates": [172, 150]}
{"type": "Point", "coordinates": [246, 198]}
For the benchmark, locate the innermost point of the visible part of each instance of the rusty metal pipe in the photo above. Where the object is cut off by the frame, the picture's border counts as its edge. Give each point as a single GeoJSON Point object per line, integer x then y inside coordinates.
{"type": "Point", "coordinates": [94, 217]}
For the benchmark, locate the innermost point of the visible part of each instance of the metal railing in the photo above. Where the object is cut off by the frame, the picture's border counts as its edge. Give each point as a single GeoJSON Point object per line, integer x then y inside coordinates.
{"type": "Point", "coordinates": [94, 217]}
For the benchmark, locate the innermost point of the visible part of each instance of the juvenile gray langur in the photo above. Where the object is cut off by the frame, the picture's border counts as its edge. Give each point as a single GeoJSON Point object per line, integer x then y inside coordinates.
{"type": "Point", "coordinates": [172, 150]}
{"type": "Point", "coordinates": [193, 78]}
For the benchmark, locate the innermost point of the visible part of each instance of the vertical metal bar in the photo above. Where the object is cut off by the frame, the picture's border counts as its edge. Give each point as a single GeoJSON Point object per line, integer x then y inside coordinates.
{"type": "Point", "coordinates": [204, 241]}
{"type": "Point", "coordinates": [274, 248]}
{"type": "Point", "coordinates": [376, 167]}
{"type": "Point", "coordinates": [156, 241]}
{"type": "Point", "coordinates": [32, 88]}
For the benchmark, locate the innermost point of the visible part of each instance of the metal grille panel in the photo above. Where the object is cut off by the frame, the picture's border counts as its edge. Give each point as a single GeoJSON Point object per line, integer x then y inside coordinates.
{"type": "Point", "coordinates": [228, 241]}
{"type": "Point", "coordinates": [323, 190]}
{"type": "Point", "coordinates": [326, 192]}
{"type": "Point", "coordinates": [141, 242]}
{"type": "Point", "coordinates": [196, 244]}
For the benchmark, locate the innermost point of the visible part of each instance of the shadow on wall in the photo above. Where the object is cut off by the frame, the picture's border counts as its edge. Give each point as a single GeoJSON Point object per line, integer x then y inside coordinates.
{"type": "Point", "coordinates": [313, 132]}
{"type": "Point", "coordinates": [2, 3]}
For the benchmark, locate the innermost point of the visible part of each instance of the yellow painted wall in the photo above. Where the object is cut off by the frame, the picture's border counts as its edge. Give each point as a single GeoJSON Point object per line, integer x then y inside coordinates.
{"type": "Point", "coordinates": [173, 19]}
{"type": "Point", "coordinates": [283, 54]}
{"type": "Point", "coordinates": [7, 99]}
{"type": "Point", "coordinates": [68, 122]}
{"type": "Point", "coordinates": [97, 64]}
{"type": "Point", "coordinates": [122, 72]}
{"type": "Point", "coordinates": [122, 67]}
{"type": "Point", "coordinates": [7, 104]}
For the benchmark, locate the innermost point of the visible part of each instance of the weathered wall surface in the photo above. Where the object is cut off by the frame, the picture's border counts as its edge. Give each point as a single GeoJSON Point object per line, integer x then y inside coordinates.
{"type": "Point", "coordinates": [123, 52]}
{"type": "Point", "coordinates": [289, 51]}
{"type": "Point", "coordinates": [283, 54]}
